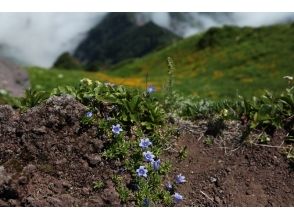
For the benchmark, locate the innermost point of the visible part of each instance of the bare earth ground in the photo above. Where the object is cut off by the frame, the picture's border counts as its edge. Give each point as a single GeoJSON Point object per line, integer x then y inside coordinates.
{"type": "Point", "coordinates": [245, 176]}
{"type": "Point", "coordinates": [48, 159]}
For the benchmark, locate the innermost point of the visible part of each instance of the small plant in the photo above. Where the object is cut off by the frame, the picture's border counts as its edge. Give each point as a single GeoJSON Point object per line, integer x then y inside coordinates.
{"type": "Point", "coordinates": [208, 141]}
{"type": "Point", "coordinates": [98, 185]}
{"type": "Point", "coordinates": [183, 153]}
{"type": "Point", "coordinates": [264, 138]}
{"type": "Point", "coordinates": [123, 192]}
{"type": "Point", "coordinates": [32, 98]}
{"type": "Point", "coordinates": [290, 154]}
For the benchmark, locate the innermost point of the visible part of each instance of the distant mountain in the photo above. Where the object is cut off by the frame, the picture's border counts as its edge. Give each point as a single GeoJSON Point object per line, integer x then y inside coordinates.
{"type": "Point", "coordinates": [121, 36]}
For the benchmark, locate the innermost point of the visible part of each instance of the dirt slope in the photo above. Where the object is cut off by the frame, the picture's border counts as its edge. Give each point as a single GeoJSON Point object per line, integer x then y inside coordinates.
{"type": "Point", "coordinates": [48, 159]}
{"type": "Point", "coordinates": [224, 174]}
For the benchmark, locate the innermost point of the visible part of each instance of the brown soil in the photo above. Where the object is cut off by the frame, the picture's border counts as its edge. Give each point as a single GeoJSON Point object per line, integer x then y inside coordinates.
{"type": "Point", "coordinates": [233, 175]}
{"type": "Point", "coordinates": [48, 159]}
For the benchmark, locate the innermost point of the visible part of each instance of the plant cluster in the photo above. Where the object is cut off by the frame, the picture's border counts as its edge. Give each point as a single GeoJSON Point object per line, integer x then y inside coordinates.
{"type": "Point", "coordinates": [133, 125]}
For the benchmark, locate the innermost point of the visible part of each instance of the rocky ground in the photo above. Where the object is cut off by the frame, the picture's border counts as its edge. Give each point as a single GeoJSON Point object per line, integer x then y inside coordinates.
{"type": "Point", "coordinates": [13, 78]}
{"type": "Point", "coordinates": [48, 159]}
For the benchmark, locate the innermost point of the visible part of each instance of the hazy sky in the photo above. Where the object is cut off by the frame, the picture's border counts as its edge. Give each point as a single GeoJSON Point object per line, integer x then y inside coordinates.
{"type": "Point", "coordinates": [38, 38]}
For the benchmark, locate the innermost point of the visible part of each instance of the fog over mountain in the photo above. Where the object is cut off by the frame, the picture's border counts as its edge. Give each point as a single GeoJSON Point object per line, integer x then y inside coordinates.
{"type": "Point", "coordinates": [38, 38]}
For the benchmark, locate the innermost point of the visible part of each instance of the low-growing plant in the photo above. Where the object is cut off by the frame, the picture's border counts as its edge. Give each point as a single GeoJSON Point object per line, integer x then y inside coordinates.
{"type": "Point", "coordinates": [98, 185]}
{"type": "Point", "coordinates": [183, 153]}
{"type": "Point", "coordinates": [134, 124]}
{"type": "Point", "coordinates": [32, 98]}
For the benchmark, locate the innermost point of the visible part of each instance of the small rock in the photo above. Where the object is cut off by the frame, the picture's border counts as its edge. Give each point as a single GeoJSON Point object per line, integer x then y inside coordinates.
{"type": "Point", "coordinates": [13, 202]}
{"type": "Point", "coordinates": [40, 130]}
{"type": "Point", "coordinates": [213, 179]}
{"type": "Point", "coordinates": [85, 191]}
{"type": "Point", "coordinates": [228, 169]}
{"type": "Point", "coordinates": [60, 162]}
{"type": "Point", "coordinates": [93, 159]}
{"type": "Point", "coordinates": [55, 202]}
{"type": "Point", "coordinates": [252, 163]}
{"type": "Point", "coordinates": [3, 204]}
{"type": "Point", "coordinates": [66, 184]}
{"type": "Point", "coordinates": [217, 200]}
{"type": "Point", "coordinates": [248, 192]}
{"type": "Point", "coordinates": [23, 180]}
{"type": "Point", "coordinates": [4, 177]}
{"type": "Point", "coordinates": [110, 195]}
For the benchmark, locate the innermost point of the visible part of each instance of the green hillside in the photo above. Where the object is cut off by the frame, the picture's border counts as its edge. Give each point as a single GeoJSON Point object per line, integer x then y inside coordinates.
{"type": "Point", "coordinates": [221, 62]}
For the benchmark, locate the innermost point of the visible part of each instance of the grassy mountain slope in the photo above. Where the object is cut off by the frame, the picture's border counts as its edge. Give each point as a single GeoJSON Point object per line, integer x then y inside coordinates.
{"type": "Point", "coordinates": [218, 63]}
{"type": "Point", "coordinates": [222, 61]}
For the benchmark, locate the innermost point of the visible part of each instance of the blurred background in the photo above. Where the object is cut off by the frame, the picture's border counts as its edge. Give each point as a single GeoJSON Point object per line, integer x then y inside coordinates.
{"type": "Point", "coordinates": [216, 55]}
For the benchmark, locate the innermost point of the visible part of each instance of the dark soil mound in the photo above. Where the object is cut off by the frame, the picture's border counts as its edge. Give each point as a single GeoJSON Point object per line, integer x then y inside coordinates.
{"type": "Point", "coordinates": [47, 159]}
{"type": "Point", "coordinates": [13, 78]}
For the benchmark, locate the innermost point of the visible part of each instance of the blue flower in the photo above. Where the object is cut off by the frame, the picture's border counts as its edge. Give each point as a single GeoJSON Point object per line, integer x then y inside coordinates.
{"type": "Point", "coordinates": [89, 114]}
{"type": "Point", "coordinates": [142, 171]}
{"type": "Point", "coordinates": [155, 164]}
{"type": "Point", "coordinates": [150, 89]}
{"type": "Point", "coordinates": [146, 202]}
{"type": "Point", "coordinates": [180, 179]}
{"type": "Point", "coordinates": [148, 156]}
{"type": "Point", "coordinates": [145, 143]}
{"type": "Point", "coordinates": [169, 186]}
{"type": "Point", "coordinates": [116, 129]}
{"type": "Point", "coordinates": [177, 197]}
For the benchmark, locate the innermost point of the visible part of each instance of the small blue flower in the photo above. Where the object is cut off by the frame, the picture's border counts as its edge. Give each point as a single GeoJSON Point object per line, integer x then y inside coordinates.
{"type": "Point", "coordinates": [145, 143]}
{"type": "Point", "coordinates": [148, 156]}
{"type": "Point", "coordinates": [142, 171]}
{"type": "Point", "coordinates": [180, 179]}
{"type": "Point", "coordinates": [177, 197]}
{"type": "Point", "coordinates": [116, 129]}
{"type": "Point", "coordinates": [169, 186]}
{"type": "Point", "coordinates": [155, 164]}
{"type": "Point", "coordinates": [89, 114]}
{"type": "Point", "coordinates": [150, 89]}
{"type": "Point", "coordinates": [146, 202]}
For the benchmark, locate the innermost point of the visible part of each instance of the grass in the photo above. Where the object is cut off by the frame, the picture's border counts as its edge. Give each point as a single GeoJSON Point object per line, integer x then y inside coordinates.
{"type": "Point", "coordinates": [244, 61]}
{"type": "Point", "coordinates": [217, 64]}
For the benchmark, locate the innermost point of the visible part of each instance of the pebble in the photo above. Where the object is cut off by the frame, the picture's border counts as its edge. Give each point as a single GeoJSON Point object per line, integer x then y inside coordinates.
{"type": "Point", "coordinates": [217, 200]}
{"type": "Point", "coordinates": [85, 191]}
{"type": "Point", "coordinates": [93, 159]}
{"type": "Point", "coordinates": [228, 170]}
{"type": "Point", "coordinates": [23, 180]}
{"type": "Point", "coordinates": [248, 192]}
{"type": "Point", "coordinates": [213, 179]}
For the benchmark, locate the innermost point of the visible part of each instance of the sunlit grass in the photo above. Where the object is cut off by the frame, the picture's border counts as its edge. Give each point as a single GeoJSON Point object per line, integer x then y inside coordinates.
{"type": "Point", "coordinates": [245, 67]}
